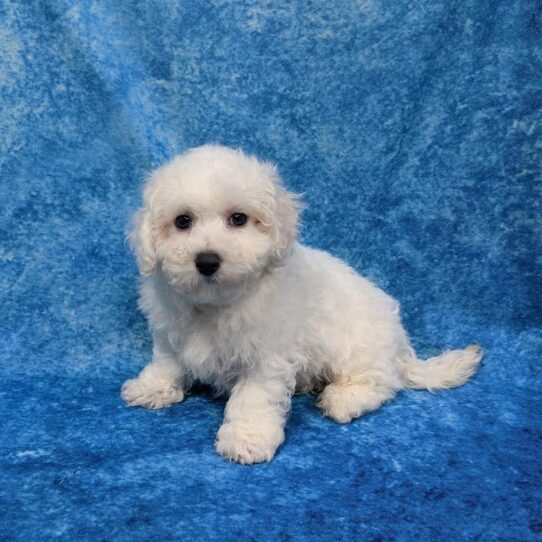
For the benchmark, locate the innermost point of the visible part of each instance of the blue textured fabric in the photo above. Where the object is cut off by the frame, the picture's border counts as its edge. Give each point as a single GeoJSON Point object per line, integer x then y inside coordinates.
{"type": "Point", "coordinates": [414, 130]}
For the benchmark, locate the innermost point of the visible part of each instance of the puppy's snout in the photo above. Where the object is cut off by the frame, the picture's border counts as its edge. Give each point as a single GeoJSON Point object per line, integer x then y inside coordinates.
{"type": "Point", "coordinates": [207, 263]}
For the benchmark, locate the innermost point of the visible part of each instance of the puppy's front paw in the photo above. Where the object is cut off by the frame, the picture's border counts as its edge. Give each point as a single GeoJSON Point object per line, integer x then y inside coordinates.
{"type": "Point", "coordinates": [155, 394]}
{"type": "Point", "coordinates": [247, 443]}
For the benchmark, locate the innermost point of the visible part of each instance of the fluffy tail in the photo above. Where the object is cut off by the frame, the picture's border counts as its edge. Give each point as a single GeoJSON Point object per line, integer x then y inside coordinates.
{"type": "Point", "coordinates": [452, 368]}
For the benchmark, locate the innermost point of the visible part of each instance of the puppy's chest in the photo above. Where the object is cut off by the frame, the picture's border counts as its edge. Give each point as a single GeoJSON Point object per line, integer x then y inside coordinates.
{"type": "Point", "coordinates": [210, 344]}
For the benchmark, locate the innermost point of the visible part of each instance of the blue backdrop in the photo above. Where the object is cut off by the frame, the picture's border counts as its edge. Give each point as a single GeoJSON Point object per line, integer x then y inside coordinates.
{"type": "Point", "coordinates": [414, 128]}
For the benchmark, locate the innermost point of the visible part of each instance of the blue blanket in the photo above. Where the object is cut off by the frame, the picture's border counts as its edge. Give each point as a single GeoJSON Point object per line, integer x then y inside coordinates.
{"type": "Point", "coordinates": [414, 129]}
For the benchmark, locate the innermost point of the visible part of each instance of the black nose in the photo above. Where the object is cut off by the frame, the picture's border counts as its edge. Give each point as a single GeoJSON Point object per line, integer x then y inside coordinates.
{"type": "Point", "coordinates": [207, 263]}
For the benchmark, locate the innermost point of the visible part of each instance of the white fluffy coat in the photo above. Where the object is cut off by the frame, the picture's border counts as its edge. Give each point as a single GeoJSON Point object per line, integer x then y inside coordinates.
{"type": "Point", "coordinates": [275, 317]}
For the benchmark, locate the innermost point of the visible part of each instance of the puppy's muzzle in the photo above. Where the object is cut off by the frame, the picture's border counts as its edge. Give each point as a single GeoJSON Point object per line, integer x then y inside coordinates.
{"type": "Point", "coordinates": [207, 263]}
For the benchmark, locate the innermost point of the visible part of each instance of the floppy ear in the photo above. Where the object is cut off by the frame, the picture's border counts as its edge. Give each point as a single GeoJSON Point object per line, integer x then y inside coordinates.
{"type": "Point", "coordinates": [286, 209]}
{"type": "Point", "coordinates": [143, 241]}
{"type": "Point", "coordinates": [142, 235]}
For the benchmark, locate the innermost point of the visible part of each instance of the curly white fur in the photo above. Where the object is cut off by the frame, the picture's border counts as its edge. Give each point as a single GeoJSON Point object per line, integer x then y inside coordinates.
{"type": "Point", "coordinates": [275, 316]}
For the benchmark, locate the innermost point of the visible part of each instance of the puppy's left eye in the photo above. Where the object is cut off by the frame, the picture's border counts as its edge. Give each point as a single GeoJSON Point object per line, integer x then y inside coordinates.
{"type": "Point", "coordinates": [238, 219]}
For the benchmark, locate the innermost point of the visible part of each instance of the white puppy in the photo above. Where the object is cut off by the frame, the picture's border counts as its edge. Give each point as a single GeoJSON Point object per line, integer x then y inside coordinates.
{"type": "Point", "coordinates": [234, 301]}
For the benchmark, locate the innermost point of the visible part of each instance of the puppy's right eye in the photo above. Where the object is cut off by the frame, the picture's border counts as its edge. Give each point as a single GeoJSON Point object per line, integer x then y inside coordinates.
{"type": "Point", "coordinates": [182, 222]}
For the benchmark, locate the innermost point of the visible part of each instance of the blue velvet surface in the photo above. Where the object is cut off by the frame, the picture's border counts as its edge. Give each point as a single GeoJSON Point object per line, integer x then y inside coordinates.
{"type": "Point", "coordinates": [414, 130]}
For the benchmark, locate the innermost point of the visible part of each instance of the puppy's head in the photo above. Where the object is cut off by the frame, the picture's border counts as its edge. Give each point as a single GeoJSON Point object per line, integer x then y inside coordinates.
{"type": "Point", "coordinates": [213, 220]}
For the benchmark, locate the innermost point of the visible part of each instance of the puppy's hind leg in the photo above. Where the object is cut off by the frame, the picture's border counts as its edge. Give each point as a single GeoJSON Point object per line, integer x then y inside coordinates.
{"type": "Point", "coordinates": [358, 385]}
{"type": "Point", "coordinates": [351, 398]}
